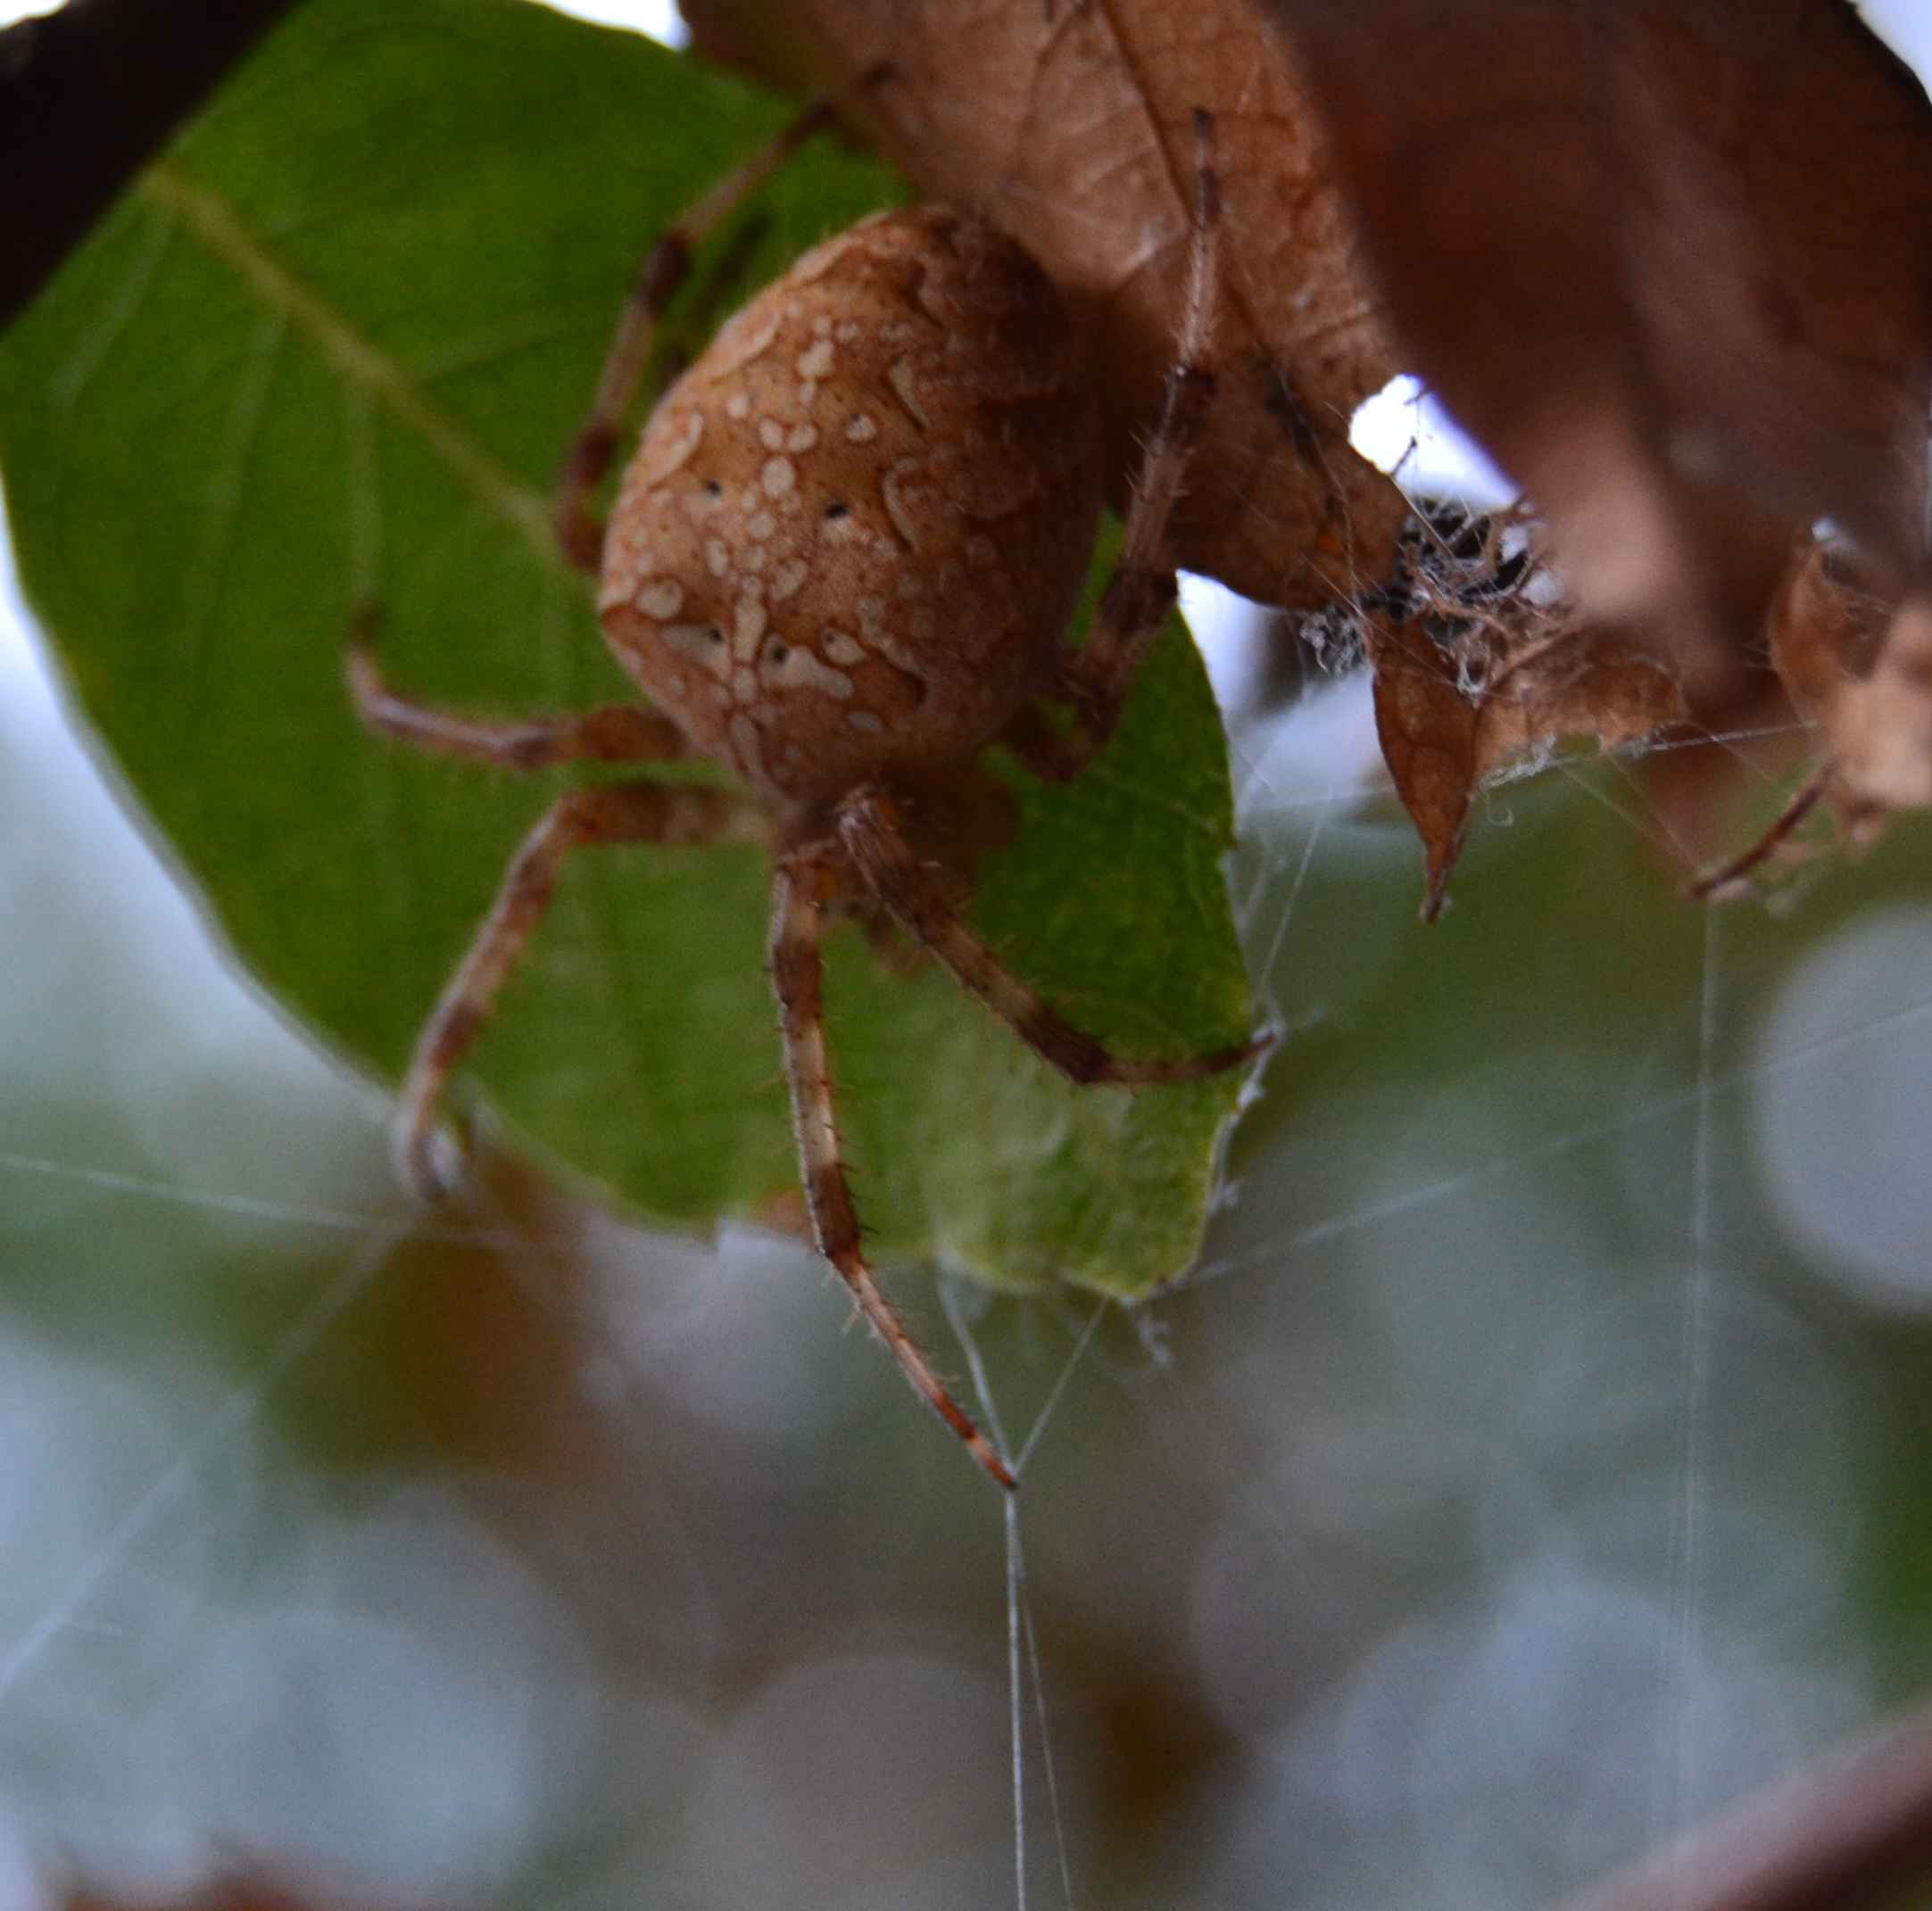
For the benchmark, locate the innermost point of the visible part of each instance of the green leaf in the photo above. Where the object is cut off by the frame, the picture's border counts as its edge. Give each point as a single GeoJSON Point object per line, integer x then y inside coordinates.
{"type": "Point", "coordinates": [332, 347]}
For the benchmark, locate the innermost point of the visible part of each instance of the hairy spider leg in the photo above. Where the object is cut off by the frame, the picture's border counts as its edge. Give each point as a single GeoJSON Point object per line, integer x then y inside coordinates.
{"type": "Point", "coordinates": [580, 533]}
{"type": "Point", "coordinates": [637, 812]}
{"type": "Point", "coordinates": [804, 882]}
{"type": "Point", "coordinates": [1097, 677]}
{"type": "Point", "coordinates": [617, 733]}
{"type": "Point", "coordinates": [1719, 884]}
{"type": "Point", "coordinates": [870, 828]}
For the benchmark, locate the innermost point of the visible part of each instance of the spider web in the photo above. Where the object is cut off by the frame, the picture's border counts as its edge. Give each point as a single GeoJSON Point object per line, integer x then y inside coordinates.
{"type": "Point", "coordinates": [1520, 1478]}
{"type": "Point", "coordinates": [1516, 1393]}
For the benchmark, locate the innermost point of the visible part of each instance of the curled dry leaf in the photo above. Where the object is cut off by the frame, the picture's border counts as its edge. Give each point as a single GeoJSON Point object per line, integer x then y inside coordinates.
{"type": "Point", "coordinates": [1880, 730]}
{"type": "Point", "coordinates": [1476, 676]}
{"type": "Point", "coordinates": [1671, 262]}
{"type": "Point", "coordinates": [1476, 673]}
{"type": "Point", "coordinates": [1071, 124]}
{"type": "Point", "coordinates": [1825, 631]}
{"type": "Point", "coordinates": [1859, 669]}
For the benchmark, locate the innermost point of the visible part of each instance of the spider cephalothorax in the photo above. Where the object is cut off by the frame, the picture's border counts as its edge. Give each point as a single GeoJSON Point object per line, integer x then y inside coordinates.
{"type": "Point", "coordinates": [843, 562]}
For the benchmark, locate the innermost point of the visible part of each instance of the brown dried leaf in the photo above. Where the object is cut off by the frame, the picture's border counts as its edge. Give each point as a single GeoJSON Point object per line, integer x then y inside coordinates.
{"type": "Point", "coordinates": [1862, 672]}
{"type": "Point", "coordinates": [1428, 731]}
{"type": "Point", "coordinates": [1672, 262]}
{"type": "Point", "coordinates": [1825, 629]}
{"type": "Point", "coordinates": [1462, 693]}
{"type": "Point", "coordinates": [1070, 124]}
{"type": "Point", "coordinates": [1882, 732]}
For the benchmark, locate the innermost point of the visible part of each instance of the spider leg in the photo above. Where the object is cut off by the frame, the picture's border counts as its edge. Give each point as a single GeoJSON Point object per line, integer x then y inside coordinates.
{"type": "Point", "coordinates": [663, 271]}
{"type": "Point", "coordinates": [636, 812]}
{"type": "Point", "coordinates": [1097, 677]}
{"type": "Point", "coordinates": [871, 832]}
{"type": "Point", "coordinates": [805, 882]}
{"type": "Point", "coordinates": [617, 734]}
{"type": "Point", "coordinates": [1052, 751]}
{"type": "Point", "coordinates": [1724, 881]}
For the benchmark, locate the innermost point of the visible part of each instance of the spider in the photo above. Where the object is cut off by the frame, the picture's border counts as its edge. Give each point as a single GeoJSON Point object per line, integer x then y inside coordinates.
{"type": "Point", "coordinates": [841, 564]}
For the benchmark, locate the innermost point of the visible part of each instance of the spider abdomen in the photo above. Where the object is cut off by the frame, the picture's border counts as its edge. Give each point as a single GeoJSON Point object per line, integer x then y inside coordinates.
{"type": "Point", "coordinates": [853, 531]}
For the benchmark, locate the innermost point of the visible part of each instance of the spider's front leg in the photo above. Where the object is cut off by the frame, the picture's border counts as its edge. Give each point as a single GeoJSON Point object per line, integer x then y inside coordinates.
{"type": "Point", "coordinates": [578, 531]}
{"type": "Point", "coordinates": [636, 812]}
{"type": "Point", "coordinates": [1096, 678]}
{"type": "Point", "coordinates": [806, 881]}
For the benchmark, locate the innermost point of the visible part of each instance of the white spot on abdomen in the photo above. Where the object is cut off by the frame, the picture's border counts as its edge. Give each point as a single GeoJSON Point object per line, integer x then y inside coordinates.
{"type": "Point", "coordinates": [899, 376]}
{"type": "Point", "coordinates": [821, 260]}
{"type": "Point", "coordinates": [678, 452]}
{"type": "Point", "coordinates": [747, 628]}
{"type": "Point", "coordinates": [740, 340]}
{"type": "Point", "coordinates": [800, 670]}
{"type": "Point", "coordinates": [744, 739]}
{"type": "Point", "coordinates": [904, 498]}
{"type": "Point", "coordinates": [701, 643]}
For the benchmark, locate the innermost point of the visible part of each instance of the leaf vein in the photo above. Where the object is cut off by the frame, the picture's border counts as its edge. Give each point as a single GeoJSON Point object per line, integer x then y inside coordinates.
{"type": "Point", "coordinates": [212, 221]}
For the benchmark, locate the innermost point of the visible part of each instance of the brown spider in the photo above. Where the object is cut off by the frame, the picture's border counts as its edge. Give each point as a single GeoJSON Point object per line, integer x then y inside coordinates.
{"type": "Point", "coordinates": [843, 562]}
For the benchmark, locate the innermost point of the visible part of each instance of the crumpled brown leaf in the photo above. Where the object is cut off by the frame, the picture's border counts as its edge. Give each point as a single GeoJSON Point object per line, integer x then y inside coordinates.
{"type": "Point", "coordinates": [1671, 261]}
{"type": "Point", "coordinates": [1071, 124]}
{"type": "Point", "coordinates": [1860, 670]}
{"type": "Point", "coordinates": [1879, 726]}
{"type": "Point", "coordinates": [1479, 672]}
{"type": "Point", "coordinates": [1476, 674]}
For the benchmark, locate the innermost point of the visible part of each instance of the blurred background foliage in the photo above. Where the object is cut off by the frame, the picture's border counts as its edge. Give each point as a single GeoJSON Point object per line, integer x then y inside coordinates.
{"type": "Point", "coordinates": [1538, 1460]}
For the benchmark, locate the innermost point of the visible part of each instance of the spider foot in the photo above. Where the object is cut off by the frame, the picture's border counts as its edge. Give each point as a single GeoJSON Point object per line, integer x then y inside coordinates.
{"type": "Point", "coordinates": [1256, 1046]}
{"type": "Point", "coordinates": [435, 1163]}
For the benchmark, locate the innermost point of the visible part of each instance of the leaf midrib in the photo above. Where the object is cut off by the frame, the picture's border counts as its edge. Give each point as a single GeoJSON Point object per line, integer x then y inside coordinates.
{"type": "Point", "coordinates": [214, 222]}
